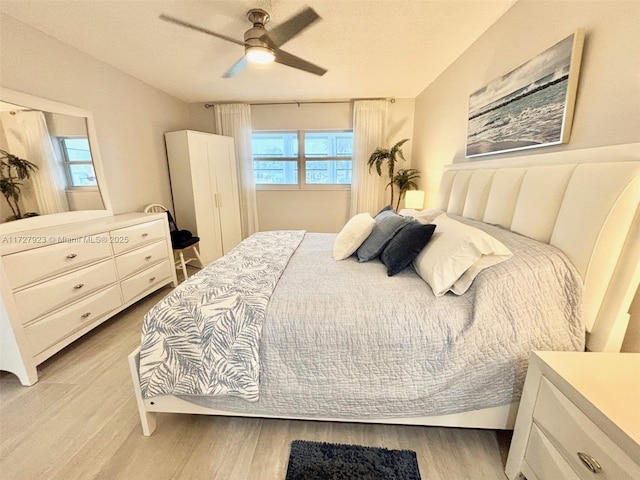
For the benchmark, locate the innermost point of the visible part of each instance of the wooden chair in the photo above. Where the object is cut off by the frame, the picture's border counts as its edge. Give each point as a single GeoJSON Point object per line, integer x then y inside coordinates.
{"type": "Point", "coordinates": [181, 240]}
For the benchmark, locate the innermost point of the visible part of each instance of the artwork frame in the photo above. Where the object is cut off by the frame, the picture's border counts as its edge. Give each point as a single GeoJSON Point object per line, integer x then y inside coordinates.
{"type": "Point", "coordinates": [529, 107]}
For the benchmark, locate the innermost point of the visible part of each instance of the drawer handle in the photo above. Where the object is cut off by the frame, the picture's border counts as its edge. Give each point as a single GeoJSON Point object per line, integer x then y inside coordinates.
{"type": "Point", "coordinates": [85, 315]}
{"type": "Point", "coordinates": [591, 463]}
{"type": "Point", "coordinates": [148, 257]}
{"type": "Point", "coordinates": [145, 235]}
{"type": "Point", "coordinates": [152, 279]}
{"type": "Point", "coordinates": [78, 286]}
{"type": "Point", "coordinates": [72, 255]}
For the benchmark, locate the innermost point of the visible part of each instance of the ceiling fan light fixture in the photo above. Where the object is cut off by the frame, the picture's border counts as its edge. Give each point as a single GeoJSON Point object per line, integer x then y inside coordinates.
{"type": "Point", "coordinates": [257, 54]}
{"type": "Point", "coordinates": [261, 46]}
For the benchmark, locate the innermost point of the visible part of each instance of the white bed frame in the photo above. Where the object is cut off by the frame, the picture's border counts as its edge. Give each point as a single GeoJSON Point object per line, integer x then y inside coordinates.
{"type": "Point", "coordinates": [584, 202]}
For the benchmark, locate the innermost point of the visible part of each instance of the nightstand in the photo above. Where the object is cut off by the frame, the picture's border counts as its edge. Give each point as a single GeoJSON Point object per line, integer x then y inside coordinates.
{"type": "Point", "coordinates": [579, 418]}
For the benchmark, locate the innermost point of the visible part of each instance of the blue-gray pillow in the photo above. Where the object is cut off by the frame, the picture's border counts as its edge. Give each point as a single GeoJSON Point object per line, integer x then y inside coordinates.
{"type": "Point", "coordinates": [405, 246]}
{"type": "Point", "coordinates": [384, 209]}
{"type": "Point", "coordinates": [388, 223]}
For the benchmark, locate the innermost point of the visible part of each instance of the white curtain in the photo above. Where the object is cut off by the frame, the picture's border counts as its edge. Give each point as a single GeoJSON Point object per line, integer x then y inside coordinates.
{"type": "Point", "coordinates": [49, 180]}
{"type": "Point", "coordinates": [234, 120]}
{"type": "Point", "coordinates": [369, 132]}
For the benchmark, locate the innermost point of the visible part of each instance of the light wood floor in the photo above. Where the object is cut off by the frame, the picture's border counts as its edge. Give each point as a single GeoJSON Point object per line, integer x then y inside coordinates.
{"type": "Point", "coordinates": [80, 422]}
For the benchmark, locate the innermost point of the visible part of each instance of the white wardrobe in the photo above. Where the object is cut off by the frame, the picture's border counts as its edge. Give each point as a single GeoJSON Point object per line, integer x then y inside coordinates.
{"type": "Point", "coordinates": [204, 183]}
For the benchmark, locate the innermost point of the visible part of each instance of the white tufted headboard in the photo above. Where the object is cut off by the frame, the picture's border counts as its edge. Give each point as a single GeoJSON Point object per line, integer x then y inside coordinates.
{"type": "Point", "coordinates": [584, 202]}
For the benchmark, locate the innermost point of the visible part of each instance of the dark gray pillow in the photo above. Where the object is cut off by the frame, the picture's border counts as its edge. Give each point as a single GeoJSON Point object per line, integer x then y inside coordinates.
{"type": "Point", "coordinates": [388, 223]}
{"type": "Point", "coordinates": [405, 246]}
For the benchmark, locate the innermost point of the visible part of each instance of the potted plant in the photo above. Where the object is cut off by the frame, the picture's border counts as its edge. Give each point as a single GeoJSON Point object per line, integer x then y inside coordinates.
{"type": "Point", "coordinates": [389, 156]}
{"type": "Point", "coordinates": [404, 180]}
{"type": "Point", "coordinates": [13, 170]}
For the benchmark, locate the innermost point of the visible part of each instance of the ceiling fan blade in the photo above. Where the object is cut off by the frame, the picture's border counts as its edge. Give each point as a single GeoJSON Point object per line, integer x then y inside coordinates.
{"type": "Point", "coordinates": [236, 68]}
{"type": "Point", "coordinates": [296, 62]}
{"type": "Point", "coordinates": [182, 23]}
{"type": "Point", "coordinates": [292, 27]}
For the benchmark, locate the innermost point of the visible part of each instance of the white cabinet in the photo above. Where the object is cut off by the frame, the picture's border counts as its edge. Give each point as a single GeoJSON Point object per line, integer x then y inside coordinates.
{"type": "Point", "coordinates": [58, 283]}
{"type": "Point", "coordinates": [204, 183]}
{"type": "Point", "coordinates": [578, 418]}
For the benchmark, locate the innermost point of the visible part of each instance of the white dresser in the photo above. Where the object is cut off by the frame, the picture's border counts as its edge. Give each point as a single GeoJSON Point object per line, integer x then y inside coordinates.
{"type": "Point", "coordinates": [579, 418]}
{"type": "Point", "coordinates": [58, 283]}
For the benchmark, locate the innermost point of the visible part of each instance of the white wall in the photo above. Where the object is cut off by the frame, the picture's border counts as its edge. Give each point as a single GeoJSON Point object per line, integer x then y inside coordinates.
{"type": "Point", "coordinates": [81, 199]}
{"type": "Point", "coordinates": [305, 116]}
{"type": "Point", "coordinates": [130, 116]}
{"type": "Point", "coordinates": [608, 99]}
{"type": "Point", "coordinates": [311, 210]}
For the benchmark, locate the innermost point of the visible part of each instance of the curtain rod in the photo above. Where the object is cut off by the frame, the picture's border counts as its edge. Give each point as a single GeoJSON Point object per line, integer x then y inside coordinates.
{"type": "Point", "coordinates": [210, 105]}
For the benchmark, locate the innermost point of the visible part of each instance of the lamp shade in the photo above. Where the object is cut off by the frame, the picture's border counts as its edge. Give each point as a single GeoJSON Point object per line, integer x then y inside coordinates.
{"type": "Point", "coordinates": [414, 199]}
{"type": "Point", "coordinates": [259, 54]}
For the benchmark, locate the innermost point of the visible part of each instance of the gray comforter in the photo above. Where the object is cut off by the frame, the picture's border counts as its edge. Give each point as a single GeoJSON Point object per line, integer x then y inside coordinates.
{"type": "Point", "coordinates": [342, 339]}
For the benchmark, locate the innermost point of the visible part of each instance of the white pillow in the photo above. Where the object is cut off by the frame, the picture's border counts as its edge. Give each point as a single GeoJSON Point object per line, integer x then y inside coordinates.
{"type": "Point", "coordinates": [422, 216]}
{"type": "Point", "coordinates": [355, 231]}
{"type": "Point", "coordinates": [456, 254]}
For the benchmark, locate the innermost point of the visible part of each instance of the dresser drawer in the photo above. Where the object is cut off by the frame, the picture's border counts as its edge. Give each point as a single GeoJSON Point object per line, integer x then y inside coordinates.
{"type": "Point", "coordinates": [47, 296]}
{"type": "Point", "coordinates": [37, 264]}
{"type": "Point", "coordinates": [129, 238]}
{"type": "Point", "coordinates": [139, 259]}
{"type": "Point", "coordinates": [544, 462]}
{"type": "Point", "coordinates": [145, 280]}
{"type": "Point", "coordinates": [50, 330]}
{"type": "Point", "coordinates": [571, 432]}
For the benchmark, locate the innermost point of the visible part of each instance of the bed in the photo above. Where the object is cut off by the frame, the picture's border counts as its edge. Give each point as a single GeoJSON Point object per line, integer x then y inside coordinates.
{"type": "Point", "coordinates": [342, 341]}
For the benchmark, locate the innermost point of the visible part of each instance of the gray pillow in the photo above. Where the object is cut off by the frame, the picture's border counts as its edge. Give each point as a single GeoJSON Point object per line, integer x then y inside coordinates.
{"type": "Point", "coordinates": [388, 223]}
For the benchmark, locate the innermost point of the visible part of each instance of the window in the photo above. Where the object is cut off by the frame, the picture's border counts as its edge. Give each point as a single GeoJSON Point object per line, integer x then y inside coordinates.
{"type": "Point", "coordinates": [275, 158]}
{"type": "Point", "coordinates": [77, 161]}
{"type": "Point", "coordinates": [302, 158]}
{"type": "Point", "coordinates": [328, 157]}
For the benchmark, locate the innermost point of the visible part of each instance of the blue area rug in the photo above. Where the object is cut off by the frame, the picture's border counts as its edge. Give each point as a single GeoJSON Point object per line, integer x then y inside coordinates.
{"type": "Point", "coordinates": [330, 461]}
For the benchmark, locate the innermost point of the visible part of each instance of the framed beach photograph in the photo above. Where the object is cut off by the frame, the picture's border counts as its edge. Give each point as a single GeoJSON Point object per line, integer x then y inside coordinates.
{"type": "Point", "coordinates": [531, 106]}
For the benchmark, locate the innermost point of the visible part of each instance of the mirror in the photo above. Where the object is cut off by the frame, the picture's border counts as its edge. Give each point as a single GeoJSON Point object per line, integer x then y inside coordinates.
{"type": "Point", "coordinates": [49, 164]}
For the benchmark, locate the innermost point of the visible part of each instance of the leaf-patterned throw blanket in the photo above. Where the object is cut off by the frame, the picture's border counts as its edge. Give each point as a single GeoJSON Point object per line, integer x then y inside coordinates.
{"type": "Point", "coordinates": [202, 339]}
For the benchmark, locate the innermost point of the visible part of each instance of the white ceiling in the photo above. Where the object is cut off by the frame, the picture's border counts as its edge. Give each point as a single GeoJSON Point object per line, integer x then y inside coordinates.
{"type": "Point", "coordinates": [380, 48]}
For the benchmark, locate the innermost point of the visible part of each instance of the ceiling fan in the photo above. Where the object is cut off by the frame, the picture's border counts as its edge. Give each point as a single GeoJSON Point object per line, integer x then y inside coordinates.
{"type": "Point", "coordinates": [261, 46]}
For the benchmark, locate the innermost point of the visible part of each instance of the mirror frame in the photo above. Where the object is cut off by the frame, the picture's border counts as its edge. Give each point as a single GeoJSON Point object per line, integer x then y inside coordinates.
{"type": "Point", "coordinates": [54, 219]}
